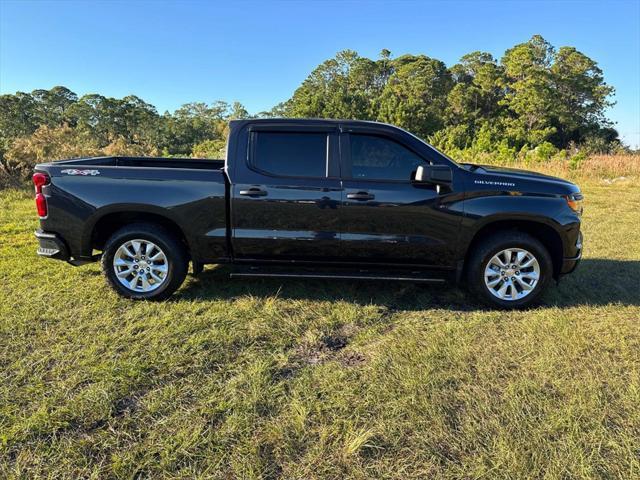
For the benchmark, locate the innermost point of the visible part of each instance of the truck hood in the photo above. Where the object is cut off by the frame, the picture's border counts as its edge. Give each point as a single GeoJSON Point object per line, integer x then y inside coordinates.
{"type": "Point", "coordinates": [521, 179]}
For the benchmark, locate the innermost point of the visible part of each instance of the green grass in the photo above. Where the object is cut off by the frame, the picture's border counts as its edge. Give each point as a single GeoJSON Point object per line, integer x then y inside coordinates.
{"type": "Point", "coordinates": [263, 379]}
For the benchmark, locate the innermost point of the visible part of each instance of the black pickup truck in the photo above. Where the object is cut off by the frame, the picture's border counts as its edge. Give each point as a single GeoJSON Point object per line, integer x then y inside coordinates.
{"type": "Point", "coordinates": [312, 198]}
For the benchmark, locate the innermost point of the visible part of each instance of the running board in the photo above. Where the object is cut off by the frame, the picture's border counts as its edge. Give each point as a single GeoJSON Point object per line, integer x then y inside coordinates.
{"type": "Point", "coordinates": [334, 276]}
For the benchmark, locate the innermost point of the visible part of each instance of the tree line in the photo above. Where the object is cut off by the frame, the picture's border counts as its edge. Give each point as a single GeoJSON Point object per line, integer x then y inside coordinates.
{"type": "Point", "coordinates": [535, 99]}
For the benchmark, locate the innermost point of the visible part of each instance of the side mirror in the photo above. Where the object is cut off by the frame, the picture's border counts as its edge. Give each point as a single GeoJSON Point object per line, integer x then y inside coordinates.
{"type": "Point", "coordinates": [434, 174]}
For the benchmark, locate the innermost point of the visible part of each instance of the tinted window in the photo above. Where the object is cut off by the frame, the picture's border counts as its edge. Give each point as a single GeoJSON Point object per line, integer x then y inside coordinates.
{"type": "Point", "coordinates": [381, 159]}
{"type": "Point", "coordinates": [291, 154]}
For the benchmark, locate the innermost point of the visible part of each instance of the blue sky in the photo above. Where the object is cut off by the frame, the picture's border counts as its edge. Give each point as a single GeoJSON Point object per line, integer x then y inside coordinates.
{"type": "Point", "coordinates": [170, 53]}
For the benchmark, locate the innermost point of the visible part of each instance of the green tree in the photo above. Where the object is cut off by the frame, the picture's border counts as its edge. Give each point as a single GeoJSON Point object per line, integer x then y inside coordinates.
{"type": "Point", "coordinates": [193, 123]}
{"type": "Point", "coordinates": [581, 97]}
{"type": "Point", "coordinates": [343, 87]}
{"type": "Point", "coordinates": [415, 96]}
{"type": "Point", "coordinates": [238, 112]}
{"type": "Point", "coordinates": [478, 90]}
{"type": "Point", "coordinates": [18, 115]}
{"type": "Point", "coordinates": [52, 106]}
{"type": "Point", "coordinates": [530, 97]}
{"type": "Point", "coordinates": [108, 119]}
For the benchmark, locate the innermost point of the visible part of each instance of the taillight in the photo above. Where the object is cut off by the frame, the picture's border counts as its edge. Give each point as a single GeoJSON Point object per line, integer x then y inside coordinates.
{"type": "Point", "coordinates": [40, 180]}
{"type": "Point", "coordinates": [41, 205]}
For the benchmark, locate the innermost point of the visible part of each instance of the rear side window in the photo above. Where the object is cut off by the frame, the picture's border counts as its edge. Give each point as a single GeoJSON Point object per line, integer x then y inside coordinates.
{"type": "Point", "coordinates": [290, 154]}
{"type": "Point", "coordinates": [379, 158]}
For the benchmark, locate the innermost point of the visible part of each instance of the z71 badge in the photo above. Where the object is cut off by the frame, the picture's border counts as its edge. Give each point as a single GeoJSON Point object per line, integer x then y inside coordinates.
{"type": "Point", "coordinates": [77, 171]}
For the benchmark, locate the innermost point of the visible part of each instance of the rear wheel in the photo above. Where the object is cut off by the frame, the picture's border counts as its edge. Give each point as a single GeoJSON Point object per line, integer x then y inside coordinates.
{"type": "Point", "coordinates": [144, 261]}
{"type": "Point", "coordinates": [509, 270]}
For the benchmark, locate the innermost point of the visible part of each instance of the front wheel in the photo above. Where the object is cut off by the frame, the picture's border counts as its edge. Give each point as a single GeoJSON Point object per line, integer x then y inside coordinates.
{"type": "Point", "coordinates": [144, 262]}
{"type": "Point", "coordinates": [509, 270]}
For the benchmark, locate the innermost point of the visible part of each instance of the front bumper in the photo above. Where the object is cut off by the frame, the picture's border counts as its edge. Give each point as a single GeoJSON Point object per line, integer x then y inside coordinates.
{"type": "Point", "coordinates": [569, 264]}
{"type": "Point", "coordinates": [50, 245]}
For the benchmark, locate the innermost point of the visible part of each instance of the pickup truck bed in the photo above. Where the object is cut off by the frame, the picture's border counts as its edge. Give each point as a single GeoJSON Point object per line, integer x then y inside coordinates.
{"type": "Point", "coordinates": [89, 198]}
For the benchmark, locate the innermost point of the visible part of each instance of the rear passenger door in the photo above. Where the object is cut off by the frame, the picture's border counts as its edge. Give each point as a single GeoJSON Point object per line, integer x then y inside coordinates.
{"type": "Point", "coordinates": [286, 194]}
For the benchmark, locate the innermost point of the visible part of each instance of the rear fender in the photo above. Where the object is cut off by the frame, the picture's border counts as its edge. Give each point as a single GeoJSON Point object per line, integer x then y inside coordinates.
{"type": "Point", "coordinates": [133, 210]}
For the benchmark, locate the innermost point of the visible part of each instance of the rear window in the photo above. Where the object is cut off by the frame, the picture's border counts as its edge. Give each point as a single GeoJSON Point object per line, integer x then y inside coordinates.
{"type": "Point", "coordinates": [291, 154]}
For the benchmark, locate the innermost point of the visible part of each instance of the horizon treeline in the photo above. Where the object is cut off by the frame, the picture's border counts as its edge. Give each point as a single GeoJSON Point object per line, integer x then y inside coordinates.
{"type": "Point", "coordinates": [535, 99]}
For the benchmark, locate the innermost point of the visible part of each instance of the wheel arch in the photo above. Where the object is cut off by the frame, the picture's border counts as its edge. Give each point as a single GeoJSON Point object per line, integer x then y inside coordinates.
{"type": "Point", "coordinates": [545, 233]}
{"type": "Point", "coordinates": [105, 225]}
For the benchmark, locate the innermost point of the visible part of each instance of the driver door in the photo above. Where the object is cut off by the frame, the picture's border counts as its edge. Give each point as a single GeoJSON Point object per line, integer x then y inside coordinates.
{"type": "Point", "coordinates": [385, 218]}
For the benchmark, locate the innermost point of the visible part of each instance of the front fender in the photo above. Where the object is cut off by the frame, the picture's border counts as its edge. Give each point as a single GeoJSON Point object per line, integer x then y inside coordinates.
{"type": "Point", "coordinates": [511, 208]}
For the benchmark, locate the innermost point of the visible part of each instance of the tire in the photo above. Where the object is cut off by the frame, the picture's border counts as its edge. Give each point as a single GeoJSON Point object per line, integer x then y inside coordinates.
{"type": "Point", "coordinates": [486, 274]}
{"type": "Point", "coordinates": [164, 269]}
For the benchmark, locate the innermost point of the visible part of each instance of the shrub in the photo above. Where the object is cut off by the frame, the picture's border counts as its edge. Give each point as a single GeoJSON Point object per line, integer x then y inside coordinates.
{"type": "Point", "coordinates": [542, 152]}
{"type": "Point", "coordinates": [47, 144]}
{"type": "Point", "coordinates": [120, 147]}
{"type": "Point", "coordinates": [576, 160]}
{"type": "Point", "coordinates": [209, 149]}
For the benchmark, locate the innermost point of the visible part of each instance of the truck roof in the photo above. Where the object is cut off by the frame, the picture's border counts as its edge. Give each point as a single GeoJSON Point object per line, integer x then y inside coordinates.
{"type": "Point", "coordinates": [316, 121]}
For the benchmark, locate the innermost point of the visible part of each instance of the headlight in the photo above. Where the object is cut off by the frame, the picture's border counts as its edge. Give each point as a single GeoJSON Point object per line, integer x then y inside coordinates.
{"type": "Point", "coordinates": [575, 202]}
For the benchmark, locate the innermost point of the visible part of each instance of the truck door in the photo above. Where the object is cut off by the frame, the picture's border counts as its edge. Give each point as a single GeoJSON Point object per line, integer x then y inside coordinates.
{"type": "Point", "coordinates": [385, 217]}
{"type": "Point", "coordinates": [286, 193]}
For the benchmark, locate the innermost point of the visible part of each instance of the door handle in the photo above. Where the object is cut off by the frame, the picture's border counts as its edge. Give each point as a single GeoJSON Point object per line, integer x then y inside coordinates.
{"type": "Point", "coordinates": [360, 196]}
{"type": "Point", "coordinates": [254, 192]}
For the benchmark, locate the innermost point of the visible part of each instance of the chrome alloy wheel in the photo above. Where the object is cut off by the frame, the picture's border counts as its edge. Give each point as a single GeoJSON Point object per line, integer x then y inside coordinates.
{"type": "Point", "coordinates": [512, 274]}
{"type": "Point", "coordinates": [140, 265]}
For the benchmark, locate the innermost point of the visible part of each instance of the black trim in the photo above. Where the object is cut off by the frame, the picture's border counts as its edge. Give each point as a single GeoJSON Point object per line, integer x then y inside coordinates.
{"type": "Point", "coordinates": [337, 276]}
{"type": "Point", "coordinates": [286, 127]}
{"type": "Point", "coordinates": [339, 263]}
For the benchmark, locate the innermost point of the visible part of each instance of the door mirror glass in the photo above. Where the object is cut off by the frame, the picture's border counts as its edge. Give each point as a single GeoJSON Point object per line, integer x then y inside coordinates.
{"type": "Point", "coordinates": [434, 174]}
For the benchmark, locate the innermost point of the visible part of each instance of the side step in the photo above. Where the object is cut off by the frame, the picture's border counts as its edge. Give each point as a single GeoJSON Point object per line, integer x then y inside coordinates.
{"type": "Point", "coordinates": [341, 276]}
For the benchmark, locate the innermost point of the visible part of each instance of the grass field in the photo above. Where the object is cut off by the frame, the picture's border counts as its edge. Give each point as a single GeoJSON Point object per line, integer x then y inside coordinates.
{"type": "Point", "coordinates": [318, 379]}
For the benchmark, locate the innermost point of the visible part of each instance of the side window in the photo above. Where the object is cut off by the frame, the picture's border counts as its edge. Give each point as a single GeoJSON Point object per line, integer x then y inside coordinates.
{"type": "Point", "coordinates": [379, 158]}
{"type": "Point", "coordinates": [290, 154]}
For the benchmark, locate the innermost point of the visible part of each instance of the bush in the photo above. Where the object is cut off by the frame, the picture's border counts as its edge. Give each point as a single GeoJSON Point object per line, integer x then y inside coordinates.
{"type": "Point", "coordinates": [120, 147]}
{"type": "Point", "coordinates": [49, 144]}
{"type": "Point", "coordinates": [46, 144]}
{"type": "Point", "coordinates": [576, 160]}
{"type": "Point", "coordinates": [210, 149]}
{"type": "Point", "coordinates": [504, 153]}
{"type": "Point", "coordinates": [542, 152]}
